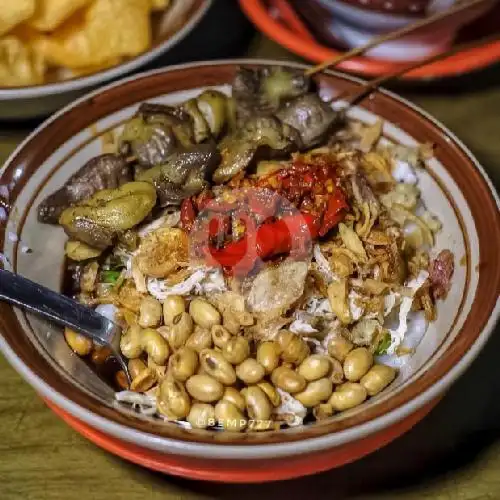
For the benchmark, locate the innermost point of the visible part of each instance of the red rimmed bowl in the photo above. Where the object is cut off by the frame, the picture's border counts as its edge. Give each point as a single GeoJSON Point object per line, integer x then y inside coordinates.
{"type": "Point", "coordinates": [453, 185]}
{"type": "Point", "coordinates": [356, 22]}
{"type": "Point", "coordinates": [246, 471]}
{"type": "Point", "coordinates": [283, 25]}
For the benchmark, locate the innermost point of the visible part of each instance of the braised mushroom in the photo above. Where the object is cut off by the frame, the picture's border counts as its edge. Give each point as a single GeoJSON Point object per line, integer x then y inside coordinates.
{"type": "Point", "coordinates": [310, 116]}
{"type": "Point", "coordinates": [184, 174]}
{"type": "Point", "coordinates": [263, 90]}
{"type": "Point", "coordinates": [155, 132]}
{"type": "Point", "coordinates": [97, 220]}
{"type": "Point", "coordinates": [106, 171]}
{"type": "Point", "coordinates": [260, 138]}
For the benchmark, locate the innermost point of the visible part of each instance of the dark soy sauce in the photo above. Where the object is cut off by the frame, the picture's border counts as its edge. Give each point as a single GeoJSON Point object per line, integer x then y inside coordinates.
{"type": "Point", "coordinates": [100, 360]}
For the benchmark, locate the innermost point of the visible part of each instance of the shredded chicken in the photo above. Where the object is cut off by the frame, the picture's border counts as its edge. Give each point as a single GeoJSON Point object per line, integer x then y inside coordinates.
{"type": "Point", "coordinates": [318, 306]}
{"type": "Point", "coordinates": [202, 281]}
{"type": "Point", "coordinates": [290, 410]}
{"type": "Point", "coordinates": [144, 404]}
{"type": "Point", "coordinates": [300, 326]}
{"type": "Point", "coordinates": [397, 334]}
{"type": "Point", "coordinates": [403, 172]}
{"type": "Point", "coordinates": [323, 264]}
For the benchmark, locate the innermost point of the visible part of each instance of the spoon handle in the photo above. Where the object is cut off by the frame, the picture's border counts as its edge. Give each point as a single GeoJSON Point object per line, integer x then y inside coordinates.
{"type": "Point", "coordinates": [57, 308]}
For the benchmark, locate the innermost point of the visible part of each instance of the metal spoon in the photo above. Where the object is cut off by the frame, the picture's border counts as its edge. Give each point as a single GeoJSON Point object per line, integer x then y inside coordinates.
{"type": "Point", "coordinates": [62, 310]}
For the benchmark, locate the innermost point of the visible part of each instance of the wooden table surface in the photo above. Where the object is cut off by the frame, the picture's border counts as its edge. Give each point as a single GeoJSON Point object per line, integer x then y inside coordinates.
{"type": "Point", "coordinates": [454, 454]}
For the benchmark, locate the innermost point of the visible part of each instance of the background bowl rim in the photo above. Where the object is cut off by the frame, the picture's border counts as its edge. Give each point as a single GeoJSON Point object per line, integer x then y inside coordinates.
{"type": "Point", "coordinates": [105, 75]}
{"type": "Point", "coordinates": [173, 445]}
{"type": "Point", "coordinates": [468, 61]}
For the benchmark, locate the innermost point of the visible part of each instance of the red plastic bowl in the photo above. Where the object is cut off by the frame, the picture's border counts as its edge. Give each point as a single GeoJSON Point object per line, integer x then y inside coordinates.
{"type": "Point", "coordinates": [287, 29]}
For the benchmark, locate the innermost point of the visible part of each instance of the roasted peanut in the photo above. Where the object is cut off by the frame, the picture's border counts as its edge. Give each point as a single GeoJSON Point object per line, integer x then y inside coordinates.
{"type": "Point", "coordinates": [149, 312]}
{"type": "Point", "coordinates": [250, 371]}
{"type": "Point", "coordinates": [180, 330]}
{"type": "Point", "coordinates": [336, 372]}
{"type": "Point", "coordinates": [144, 380]}
{"type": "Point", "coordinates": [314, 367]}
{"type": "Point", "coordinates": [160, 370]}
{"type": "Point", "coordinates": [229, 416]}
{"type": "Point", "coordinates": [268, 355]}
{"type": "Point", "coordinates": [204, 313]}
{"type": "Point", "coordinates": [245, 318]}
{"type": "Point", "coordinates": [173, 401]}
{"type": "Point", "coordinates": [130, 343]}
{"type": "Point", "coordinates": [173, 305]}
{"type": "Point", "coordinates": [220, 336]}
{"type": "Point", "coordinates": [293, 348]}
{"type": "Point", "coordinates": [155, 345]}
{"type": "Point", "coordinates": [271, 393]}
{"type": "Point", "coordinates": [322, 411]}
{"type": "Point", "coordinates": [129, 317]}
{"type": "Point", "coordinates": [234, 396]}
{"type": "Point", "coordinates": [78, 343]}
{"type": "Point", "coordinates": [357, 363]}
{"type": "Point", "coordinates": [257, 403]}
{"type": "Point", "coordinates": [288, 380]}
{"type": "Point", "coordinates": [231, 322]}
{"type": "Point", "coordinates": [236, 350]}
{"type": "Point", "coordinates": [315, 393]}
{"type": "Point", "coordinates": [347, 396]}
{"type": "Point", "coordinates": [183, 363]}
{"type": "Point", "coordinates": [177, 334]}
{"type": "Point", "coordinates": [200, 339]}
{"type": "Point", "coordinates": [201, 416]}
{"type": "Point", "coordinates": [201, 371]}
{"type": "Point", "coordinates": [378, 378]}
{"type": "Point", "coordinates": [204, 388]}
{"type": "Point", "coordinates": [217, 366]}
{"type": "Point", "coordinates": [135, 367]}
{"type": "Point", "coordinates": [339, 347]}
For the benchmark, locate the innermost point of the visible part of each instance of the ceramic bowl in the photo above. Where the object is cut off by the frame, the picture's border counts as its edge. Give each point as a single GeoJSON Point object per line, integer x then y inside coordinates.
{"type": "Point", "coordinates": [356, 22]}
{"type": "Point", "coordinates": [22, 103]}
{"type": "Point", "coordinates": [453, 185]}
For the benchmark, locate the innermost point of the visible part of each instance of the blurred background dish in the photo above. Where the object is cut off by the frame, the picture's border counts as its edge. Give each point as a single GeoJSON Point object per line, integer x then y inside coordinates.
{"type": "Point", "coordinates": [280, 21]}
{"type": "Point", "coordinates": [355, 22]}
{"type": "Point", "coordinates": [51, 54]}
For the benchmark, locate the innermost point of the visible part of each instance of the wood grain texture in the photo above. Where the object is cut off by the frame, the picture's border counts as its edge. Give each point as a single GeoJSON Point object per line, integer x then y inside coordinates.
{"type": "Point", "coordinates": [454, 454]}
{"type": "Point", "coordinates": [42, 458]}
